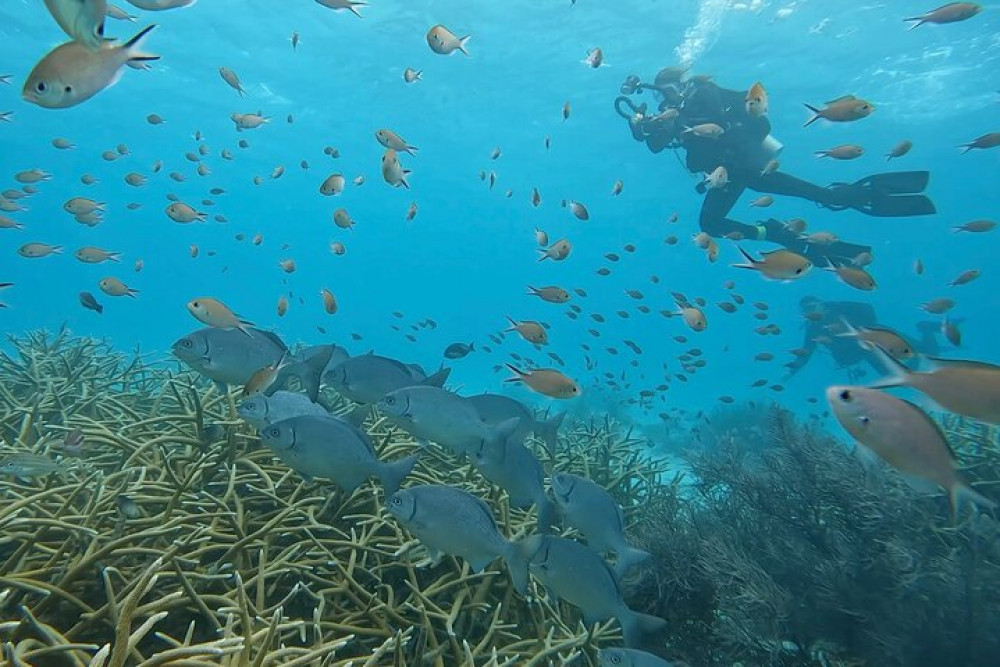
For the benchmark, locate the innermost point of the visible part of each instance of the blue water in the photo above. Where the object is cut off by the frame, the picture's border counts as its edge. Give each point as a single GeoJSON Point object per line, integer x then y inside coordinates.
{"type": "Point", "coordinates": [467, 257]}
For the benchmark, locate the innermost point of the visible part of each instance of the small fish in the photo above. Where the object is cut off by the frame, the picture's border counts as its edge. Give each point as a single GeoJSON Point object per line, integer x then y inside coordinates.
{"type": "Point", "coordinates": [547, 381]}
{"type": "Point", "coordinates": [541, 238]}
{"type": "Point", "coordinates": [951, 332]}
{"type": "Point", "coordinates": [214, 313]}
{"type": "Point", "coordinates": [856, 277]}
{"type": "Point", "coordinates": [717, 179]}
{"type": "Point", "coordinates": [705, 131]}
{"type": "Point", "coordinates": [459, 350]}
{"type": "Point", "coordinates": [991, 140]}
{"type": "Point", "coordinates": [282, 307]}
{"type": "Point", "coordinates": [843, 152]}
{"type": "Point", "coordinates": [410, 75]}
{"type": "Point", "coordinates": [454, 522]}
{"type": "Point", "coordinates": [350, 5]}
{"type": "Point", "coordinates": [762, 202]}
{"type": "Point", "coordinates": [905, 437]}
{"type": "Point", "coordinates": [114, 287]}
{"type": "Point", "coordinates": [938, 306]}
{"type": "Point", "coordinates": [333, 185]}
{"type": "Point", "coordinates": [342, 219]}
{"type": "Point", "coordinates": [590, 509]}
{"type": "Point", "coordinates": [444, 42]}
{"type": "Point", "coordinates": [965, 277]}
{"type": "Point", "coordinates": [36, 250]}
{"type": "Point", "coordinates": [577, 209]}
{"type": "Point", "coordinates": [558, 251]}
{"type": "Point", "coordinates": [566, 111]}
{"type": "Point", "coordinates": [899, 150]}
{"type": "Point", "coordinates": [329, 301]}
{"type": "Point", "coordinates": [94, 255]}
{"type": "Point", "coordinates": [127, 507]}
{"type": "Point", "coordinates": [248, 121]}
{"type": "Point", "coordinates": [183, 213]}
{"type": "Point", "coordinates": [577, 574]}
{"type": "Point", "coordinates": [262, 379]}
{"type": "Point", "coordinates": [232, 79]}
{"type": "Point", "coordinates": [88, 301]}
{"type": "Point", "coordinates": [617, 188]}
{"type": "Point", "coordinates": [71, 73]}
{"type": "Point", "coordinates": [976, 226]}
{"type": "Point", "coordinates": [533, 332]}
{"type": "Point", "coordinates": [842, 110]}
{"type": "Point", "coordinates": [551, 294]}
{"type": "Point", "coordinates": [294, 39]}
{"type": "Point", "coordinates": [756, 100]}
{"type": "Point", "coordinates": [781, 264]}
{"type": "Point", "coordinates": [594, 59]}
{"type": "Point", "coordinates": [83, 20]}
{"type": "Point", "coordinates": [393, 172]}
{"type": "Point", "coordinates": [950, 13]}
{"type": "Point", "coordinates": [411, 212]}
{"type": "Point", "coordinates": [536, 198]}
{"type": "Point", "coordinates": [29, 466]}
{"type": "Point", "coordinates": [390, 139]}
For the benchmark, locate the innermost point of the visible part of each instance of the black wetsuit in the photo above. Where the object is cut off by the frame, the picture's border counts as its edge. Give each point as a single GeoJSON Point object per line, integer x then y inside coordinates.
{"type": "Point", "coordinates": [845, 350]}
{"type": "Point", "coordinates": [741, 151]}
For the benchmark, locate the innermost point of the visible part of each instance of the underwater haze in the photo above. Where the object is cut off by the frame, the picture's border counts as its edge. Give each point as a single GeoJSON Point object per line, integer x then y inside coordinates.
{"type": "Point", "coordinates": [735, 242]}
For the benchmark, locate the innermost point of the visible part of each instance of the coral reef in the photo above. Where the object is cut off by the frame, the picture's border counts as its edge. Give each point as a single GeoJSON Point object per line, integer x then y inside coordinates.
{"type": "Point", "coordinates": [172, 537]}
{"type": "Point", "coordinates": [789, 552]}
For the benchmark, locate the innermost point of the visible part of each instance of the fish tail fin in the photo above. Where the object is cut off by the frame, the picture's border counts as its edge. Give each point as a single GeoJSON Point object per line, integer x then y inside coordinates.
{"type": "Point", "coordinates": [751, 265]}
{"type": "Point", "coordinates": [462, 41]}
{"type": "Point", "coordinates": [919, 21]}
{"type": "Point", "coordinates": [548, 431]}
{"type": "Point", "coordinates": [899, 375]}
{"type": "Point", "coordinates": [437, 379]}
{"type": "Point", "coordinates": [310, 372]}
{"type": "Point", "coordinates": [392, 474]}
{"type": "Point", "coordinates": [636, 626]}
{"type": "Point", "coordinates": [628, 557]}
{"type": "Point", "coordinates": [516, 557]}
{"type": "Point", "coordinates": [547, 515]}
{"type": "Point", "coordinates": [815, 117]}
{"type": "Point", "coordinates": [960, 494]}
{"type": "Point", "coordinates": [518, 375]}
{"type": "Point", "coordinates": [967, 147]}
{"type": "Point", "coordinates": [131, 47]}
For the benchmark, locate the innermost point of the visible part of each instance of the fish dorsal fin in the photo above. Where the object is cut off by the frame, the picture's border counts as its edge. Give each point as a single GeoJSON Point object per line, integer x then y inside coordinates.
{"type": "Point", "coordinates": [953, 363]}
{"type": "Point", "coordinates": [273, 337]}
{"type": "Point", "coordinates": [842, 98]}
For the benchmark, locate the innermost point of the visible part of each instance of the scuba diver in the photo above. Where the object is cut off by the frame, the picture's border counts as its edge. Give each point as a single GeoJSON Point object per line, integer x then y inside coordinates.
{"type": "Point", "coordinates": [825, 325]}
{"type": "Point", "coordinates": [745, 149]}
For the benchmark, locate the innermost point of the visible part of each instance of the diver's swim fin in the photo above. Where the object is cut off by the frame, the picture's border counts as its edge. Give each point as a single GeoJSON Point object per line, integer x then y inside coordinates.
{"type": "Point", "coordinates": [890, 195]}
{"type": "Point", "coordinates": [897, 182]}
{"type": "Point", "coordinates": [898, 206]}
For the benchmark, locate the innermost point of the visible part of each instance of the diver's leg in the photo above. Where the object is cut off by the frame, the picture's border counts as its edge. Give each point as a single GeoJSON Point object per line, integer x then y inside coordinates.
{"type": "Point", "coordinates": [779, 183]}
{"type": "Point", "coordinates": [714, 209]}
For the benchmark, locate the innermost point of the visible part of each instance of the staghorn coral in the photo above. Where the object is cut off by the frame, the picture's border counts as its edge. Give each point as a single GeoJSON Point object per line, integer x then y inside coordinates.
{"type": "Point", "coordinates": [229, 558]}
{"type": "Point", "coordinates": [790, 553]}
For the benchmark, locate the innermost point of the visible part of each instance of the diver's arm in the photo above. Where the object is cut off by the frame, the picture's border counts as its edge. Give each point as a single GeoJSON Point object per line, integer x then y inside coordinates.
{"type": "Point", "coordinates": [806, 351]}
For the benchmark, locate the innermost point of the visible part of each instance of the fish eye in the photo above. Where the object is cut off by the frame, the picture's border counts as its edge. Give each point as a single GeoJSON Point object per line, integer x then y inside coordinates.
{"type": "Point", "coordinates": [68, 90]}
{"type": "Point", "coordinates": [396, 501]}
{"type": "Point", "coordinates": [615, 660]}
{"type": "Point", "coordinates": [846, 396]}
{"type": "Point", "coordinates": [390, 400]}
{"type": "Point", "coordinates": [40, 86]}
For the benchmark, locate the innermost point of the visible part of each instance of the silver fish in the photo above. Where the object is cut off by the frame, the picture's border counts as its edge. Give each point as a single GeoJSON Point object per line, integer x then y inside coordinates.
{"type": "Point", "coordinates": [368, 377]}
{"type": "Point", "coordinates": [260, 410]}
{"type": "Point", "coordinates": [231, 357]}
{"type": "Point", "coordinates": [591, 510]}
{"type": "Point", "coordinates": [513, 467]}
{"type": "Point", "coordinates": [577, 574]}
{"type": "Point", "coordinates": [71, 74]}
{"type": "Point", "coordinates": [628, 657]}
{"type": "Point", "coordinates": [495, 408]}
{"type": "Point", "coordinates": [83, 20]}
{"type": "Point", "coordinates": [441, 416]}
{"type": "Point", "coordinates": [28, 466]}
{"type": "Point", "coordinates": [161, 5]}
{"type": "Point", "coordinates": [454, 522]}
{"type": "Point", "coordinates": [328, 447]}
